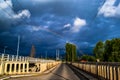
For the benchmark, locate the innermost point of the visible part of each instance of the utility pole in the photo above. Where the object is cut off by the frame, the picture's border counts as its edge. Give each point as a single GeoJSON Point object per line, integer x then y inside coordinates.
{"type": "Point", "coordinates": [46, 54]}
{"type": "Point", "coordinates": [5, 49]}
{"type": "Point", "coordinates": [18, 46]}
{"type": "Point", "coordinates": [57, 54]}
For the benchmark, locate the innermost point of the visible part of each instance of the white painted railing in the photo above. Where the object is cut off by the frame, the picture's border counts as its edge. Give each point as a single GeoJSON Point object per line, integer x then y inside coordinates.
{"type": "Point", "coordinates": [8, 57]}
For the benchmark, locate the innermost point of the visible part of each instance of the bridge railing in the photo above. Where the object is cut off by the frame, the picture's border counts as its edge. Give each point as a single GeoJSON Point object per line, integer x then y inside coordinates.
{"type": "Point", "coordinates": [8, 57]}
{"type": "Point", "coordinates": [101, 70]}
{"type": "Point", "coordinates": [12, 64]}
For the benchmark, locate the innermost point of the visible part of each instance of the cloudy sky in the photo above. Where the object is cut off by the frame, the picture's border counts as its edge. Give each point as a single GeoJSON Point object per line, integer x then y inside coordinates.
{"type": "Point", "coordinates": [49, 24]}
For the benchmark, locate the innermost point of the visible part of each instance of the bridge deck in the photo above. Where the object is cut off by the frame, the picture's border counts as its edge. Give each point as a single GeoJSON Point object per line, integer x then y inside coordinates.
{"type": "Point", "coordinates": [61, 72]}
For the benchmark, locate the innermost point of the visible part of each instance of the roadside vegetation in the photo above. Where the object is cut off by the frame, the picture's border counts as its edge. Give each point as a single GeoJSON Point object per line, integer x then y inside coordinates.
{"type": "Point", "coordinates": [108, 51]}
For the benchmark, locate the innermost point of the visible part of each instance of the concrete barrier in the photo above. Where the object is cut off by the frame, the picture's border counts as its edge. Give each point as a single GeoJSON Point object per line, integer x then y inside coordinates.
{"type": "Point", "coordinates": [23, 67]}
{"type": "Point", "coordinates": [101, 70]}
{"type": "Point", "coordinates": [13, 64]}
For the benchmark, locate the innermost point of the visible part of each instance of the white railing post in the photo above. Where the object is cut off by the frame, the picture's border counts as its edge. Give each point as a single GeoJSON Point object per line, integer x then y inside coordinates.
{"type": "Point", "coordinates": [16, 58]}
{"type": "Point", "coordinates": [20, 58]}
{"type": "Point", "coordinates": [8, 57]}
{"type": "Point", "coordinates": [2, 57]}
{"type": "Point", "coordinates": [12, 57]}
{"type": "Point", "coordinates": [36, 60]}
{"type": "Point", "coordinates": [25, 58]}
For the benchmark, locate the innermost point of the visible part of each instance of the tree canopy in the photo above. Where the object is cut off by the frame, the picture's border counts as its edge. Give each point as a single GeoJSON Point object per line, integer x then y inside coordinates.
{"type": "Point", "coordinates": [108, 51]}
{"type": "Point", "coordinates": [70, 52]}
{"type": "Point", "coordinates": [32, 54]}
{"type": "Point", "coordinates": [88, 58]}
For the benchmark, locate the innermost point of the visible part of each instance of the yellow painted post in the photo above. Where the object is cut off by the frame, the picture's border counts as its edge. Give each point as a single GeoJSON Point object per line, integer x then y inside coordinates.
{"type": "Point", "coordinates": [27, 70]}
{"type": "Point", "coordinates": [2, 66]}
{"type": "Point", "coordinates": [102, 70]}
{"type": "Point", "coordinates": [105, 71]}
{"type": "Point", "coordinates": [6, 68]}
{"type": "Point", "coordinates": [23, 71]}
{"type": "Point", "coordinates": [119, 73]}
{"type": "Point", "coordinates": [10, 72]}
{"type": "Point", "coordinates": [15, 70]}
{"type": "Point", "coordinates": [111, 73]}
{"type": "Point", "coordinates": [114, 73]}
{"type": "Point", "coordinates": [19, 68]}
{"type": "Point", "coordinates": [98, 71]}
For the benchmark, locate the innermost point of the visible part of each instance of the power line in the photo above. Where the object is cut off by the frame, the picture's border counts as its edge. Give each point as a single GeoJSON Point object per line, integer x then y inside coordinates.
{"type": "Point", "coordinates": [48, 30]}
{"type": "Point", "coordinates": [8, 4]}
{"type": "Point", "coordinates": [6, 12]}
{"type": "Point", "coordinates": [19, 3]}
{"type": "Point", "coordinates": [28, 24]}
{"type": "Point", "coordinates": [52, 31]}
{"type": "Point", "coordinates": [95, 16]}
{"type": "Point", "coordinates": [11, 16]}
{"type": "Point", "coordinates": [9, 13]}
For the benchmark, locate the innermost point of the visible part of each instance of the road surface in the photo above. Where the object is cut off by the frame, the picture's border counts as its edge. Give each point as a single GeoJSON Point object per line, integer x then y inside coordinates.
{"type": "Point", "coordinates": [61, 72]}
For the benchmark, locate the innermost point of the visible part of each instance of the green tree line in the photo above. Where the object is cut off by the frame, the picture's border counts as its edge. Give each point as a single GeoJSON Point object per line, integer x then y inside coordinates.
{"type": "Point", "coordinates": [88, 58]}
{"type": "Point", "coordinates": [108, 51]}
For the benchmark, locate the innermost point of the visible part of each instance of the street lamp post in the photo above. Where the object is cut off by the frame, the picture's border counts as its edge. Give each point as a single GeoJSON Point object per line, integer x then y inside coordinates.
{"type": "Point", "coordinates": [18, 47]}
{"type": "Point", "coordinates": [5, 49]}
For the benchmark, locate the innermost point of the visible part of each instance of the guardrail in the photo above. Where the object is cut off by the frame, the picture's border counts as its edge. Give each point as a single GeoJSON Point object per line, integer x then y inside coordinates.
{"type": "Point", "coordinates": [8, 57]}
{"type": "Point", "coordinates": [101, 70]}
{"type": "Point", "coordinates": [12, 64]}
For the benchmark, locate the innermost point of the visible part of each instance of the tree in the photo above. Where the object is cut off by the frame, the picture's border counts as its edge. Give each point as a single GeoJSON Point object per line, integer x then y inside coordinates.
{"type": "Point", "coordinates": [115, 44]}
{"type": "Point", "coordinates": [88, 58]}
{"type": "Point", "coordinates": [99, 50]}
{"type": "Point", "coordinates": [112, 50]}
{"type": "Point", "coordinates": [32, 54]}
{"type": "Point", "coordinates": [70, 52]}
{"type": "Point", "coordinates": [108, 51]}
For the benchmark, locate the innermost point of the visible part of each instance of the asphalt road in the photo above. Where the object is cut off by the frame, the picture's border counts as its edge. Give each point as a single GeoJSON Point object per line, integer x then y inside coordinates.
{"type": "Point", "coordinates": [61, 72]}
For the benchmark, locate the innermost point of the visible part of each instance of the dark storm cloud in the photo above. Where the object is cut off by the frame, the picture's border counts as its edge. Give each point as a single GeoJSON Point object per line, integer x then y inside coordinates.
{"type": "Point", "coordinates": [51, 24]}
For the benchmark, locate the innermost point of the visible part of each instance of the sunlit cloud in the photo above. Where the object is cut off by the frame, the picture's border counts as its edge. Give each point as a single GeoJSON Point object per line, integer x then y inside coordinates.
{"type": "Point", "coordinates": [67, 25]}
{"type": "Point", "coordinates": [109, 9]}
{"type": "Point", "coordinates": [78, 24]}
{"type": "Point", "coordinates": [8, 13]}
